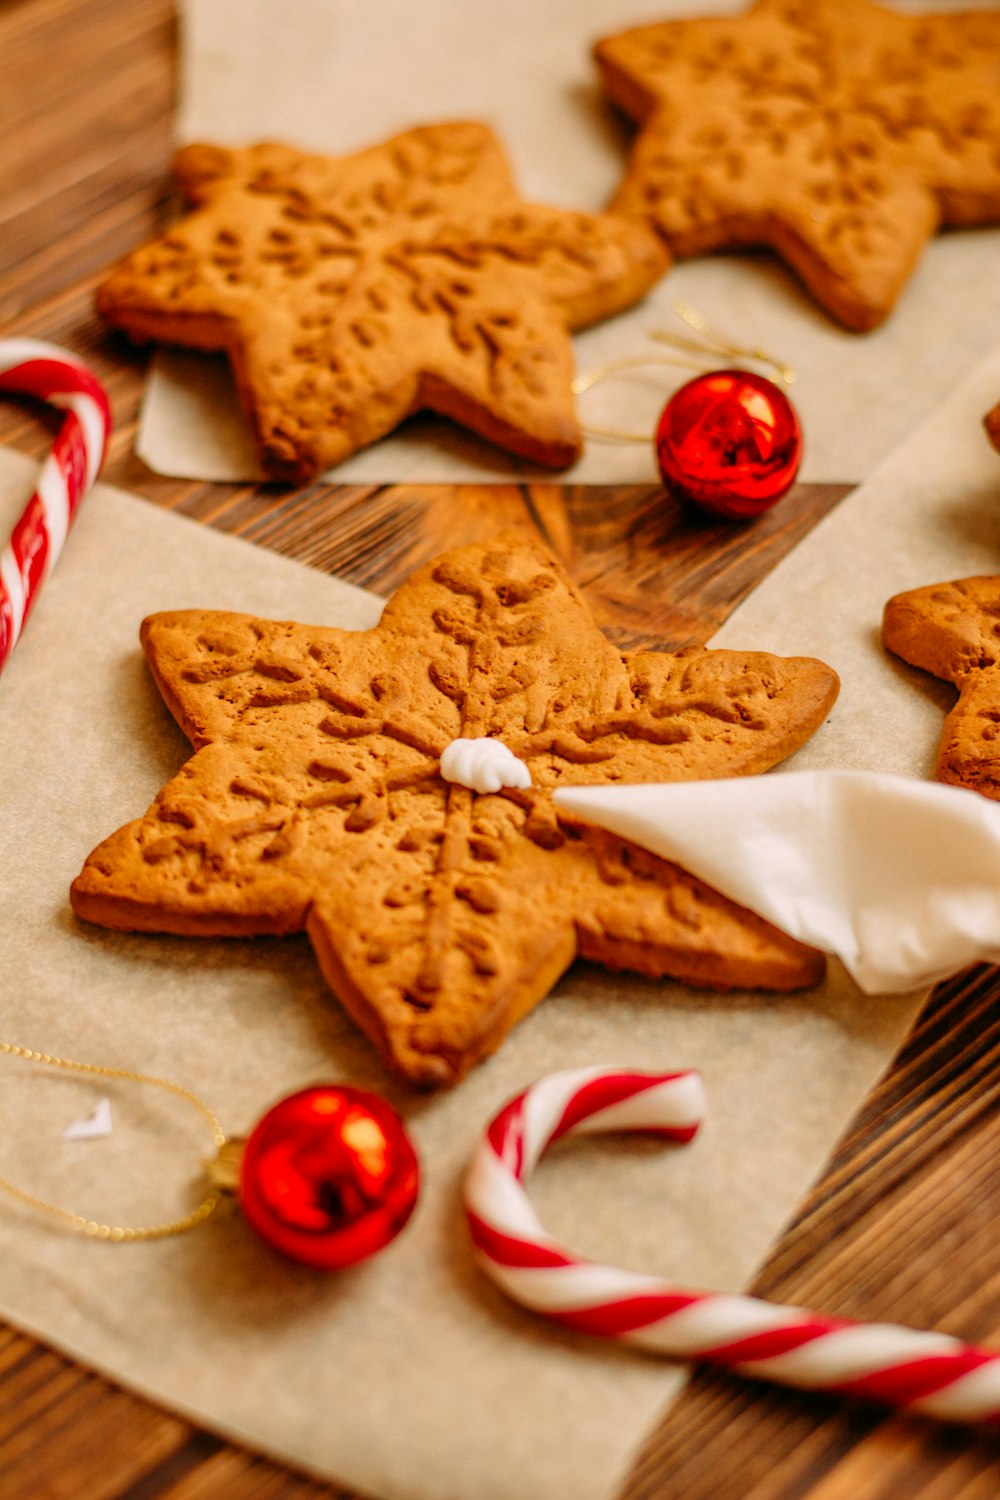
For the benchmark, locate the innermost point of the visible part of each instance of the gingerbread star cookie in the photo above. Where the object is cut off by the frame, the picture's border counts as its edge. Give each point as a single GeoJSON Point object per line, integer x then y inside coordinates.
{"type": "Point", "coordinates": [351, 292]}
{"type": "Point", "coordinates": [953, 630]}
{"type": "Point", "coordinates": [315, 799]}
{"type": "Point", "coordinates": [838, 133]}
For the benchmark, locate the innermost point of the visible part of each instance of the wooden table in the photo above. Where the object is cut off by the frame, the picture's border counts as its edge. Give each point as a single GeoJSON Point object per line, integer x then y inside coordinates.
{"type": "Point", "coordinates": [901, 1226]}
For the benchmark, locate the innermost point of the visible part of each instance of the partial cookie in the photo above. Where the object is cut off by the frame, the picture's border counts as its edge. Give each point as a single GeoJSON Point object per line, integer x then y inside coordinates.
{"type": "Point", "coordinates": [840, 134]}
{"type": "Point", "coordinates": [953, 630]}
{"type": "Point", "coordinates": [440, 916]}
{"type": "Point", "coordinates": [991, 422]}
{"type": "Point", "coordinates": [351, 292]}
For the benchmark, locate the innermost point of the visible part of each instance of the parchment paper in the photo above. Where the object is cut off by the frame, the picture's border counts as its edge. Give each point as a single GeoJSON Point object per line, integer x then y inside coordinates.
{"type": "Point", "coordinates": [337, 75]}
{"type": "Point", "coordinates": [409, 1377]}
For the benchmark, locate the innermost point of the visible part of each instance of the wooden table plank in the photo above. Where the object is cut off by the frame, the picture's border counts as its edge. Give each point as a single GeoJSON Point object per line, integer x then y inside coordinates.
{"type": "Point", "coordinates": [901, 1223]}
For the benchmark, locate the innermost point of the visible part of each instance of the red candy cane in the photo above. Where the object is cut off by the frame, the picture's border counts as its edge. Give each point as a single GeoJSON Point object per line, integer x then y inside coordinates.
{"type": "Point", "coordinates": [31, 368]}
{"type": "Point", "coordinates": [930, 1373]}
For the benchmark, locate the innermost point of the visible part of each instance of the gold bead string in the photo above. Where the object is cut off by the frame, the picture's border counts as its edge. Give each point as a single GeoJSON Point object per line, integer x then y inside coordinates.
{"type": "Point", "coordinates": [93, 1228]}
{"type": "Point", "coordinates": [709, 344]}
{"type": "Point", "coordinates": [712, 336]}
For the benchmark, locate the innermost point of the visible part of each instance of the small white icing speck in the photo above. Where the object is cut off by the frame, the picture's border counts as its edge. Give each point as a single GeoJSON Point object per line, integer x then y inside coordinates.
{"type": "Point", "coordinates": [483, 765]}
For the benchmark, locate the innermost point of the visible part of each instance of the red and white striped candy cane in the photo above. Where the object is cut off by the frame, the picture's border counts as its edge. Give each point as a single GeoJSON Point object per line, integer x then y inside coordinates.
{"type": "Point", "coordinates": [29, 367]}
{"type": "Point", "coordinates": [929, 1373]}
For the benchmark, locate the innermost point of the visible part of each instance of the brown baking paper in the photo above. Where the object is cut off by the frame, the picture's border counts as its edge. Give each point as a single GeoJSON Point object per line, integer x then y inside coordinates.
{"type": "Point", "coordinates": [408, 1377]}
{"type": "Point", "coordinates": [336, 76]}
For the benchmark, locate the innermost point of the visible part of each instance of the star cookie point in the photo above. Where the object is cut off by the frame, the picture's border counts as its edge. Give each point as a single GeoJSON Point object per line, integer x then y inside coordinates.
{"type": "Point", "coordinates": [952, 630]}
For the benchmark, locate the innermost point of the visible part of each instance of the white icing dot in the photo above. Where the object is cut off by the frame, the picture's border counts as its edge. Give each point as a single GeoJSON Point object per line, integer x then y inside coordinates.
{"type": "Point", "coordinates": [483, 765]}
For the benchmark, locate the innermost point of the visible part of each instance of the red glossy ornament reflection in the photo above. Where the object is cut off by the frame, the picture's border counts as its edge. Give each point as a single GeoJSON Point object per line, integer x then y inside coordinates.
{"type": "Point", "coordinates": [730, 442]}
{"type": "Point", "coordinates": [329, 1176]}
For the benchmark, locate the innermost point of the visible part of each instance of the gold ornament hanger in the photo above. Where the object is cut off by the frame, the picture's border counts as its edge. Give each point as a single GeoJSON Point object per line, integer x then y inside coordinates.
{"type": "Point", "coordinates": [709, 344]}
{"type": "Point", "coordinates": [93, 1228]}
{"type": "Point", "coordinates": [327, 1177]}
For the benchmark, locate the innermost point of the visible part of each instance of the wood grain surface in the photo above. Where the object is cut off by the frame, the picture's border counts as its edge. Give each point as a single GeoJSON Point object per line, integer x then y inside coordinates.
{"type": "Point", "coordinates": [903, 1224]}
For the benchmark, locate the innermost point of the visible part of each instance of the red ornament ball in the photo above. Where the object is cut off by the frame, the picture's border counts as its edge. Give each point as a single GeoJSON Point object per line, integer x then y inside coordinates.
{"type": "Point", "coordinates": [329, 1176]}
{"type": "Point", "coordinates": [730, 442]}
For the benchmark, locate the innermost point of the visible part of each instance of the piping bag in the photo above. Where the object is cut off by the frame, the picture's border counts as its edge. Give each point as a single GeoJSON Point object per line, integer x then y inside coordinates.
{"type": "Point", "coordinates": [900, 879]}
